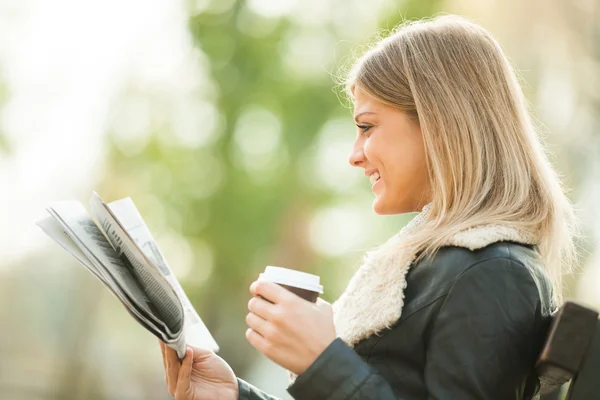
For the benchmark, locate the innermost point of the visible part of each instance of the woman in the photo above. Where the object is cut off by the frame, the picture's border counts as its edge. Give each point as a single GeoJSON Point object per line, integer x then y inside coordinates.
{"type": "Point", "coordinates": [456, 305]}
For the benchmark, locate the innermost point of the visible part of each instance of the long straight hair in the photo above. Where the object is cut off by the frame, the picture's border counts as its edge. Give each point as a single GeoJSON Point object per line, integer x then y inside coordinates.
{"type": "Point", "coordinates": [486, 162]}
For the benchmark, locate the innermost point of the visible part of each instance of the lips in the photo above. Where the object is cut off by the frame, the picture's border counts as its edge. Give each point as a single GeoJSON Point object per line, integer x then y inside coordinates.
{"type": "Point", "coordinates": [374, 177]}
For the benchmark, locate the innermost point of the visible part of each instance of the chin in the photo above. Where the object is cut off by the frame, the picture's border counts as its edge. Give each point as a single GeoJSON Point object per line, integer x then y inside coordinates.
{"type": "Point", "coordinates": [382, 207]}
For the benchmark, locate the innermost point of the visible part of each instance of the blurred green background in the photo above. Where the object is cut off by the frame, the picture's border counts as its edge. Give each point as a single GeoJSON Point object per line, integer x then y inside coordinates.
{"type": "Point", "coordinates": [221, 119]}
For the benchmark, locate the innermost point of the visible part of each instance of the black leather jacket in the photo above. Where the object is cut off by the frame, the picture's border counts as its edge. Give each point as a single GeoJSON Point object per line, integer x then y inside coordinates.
{"type": "Point", "coordinates": [472, 326]}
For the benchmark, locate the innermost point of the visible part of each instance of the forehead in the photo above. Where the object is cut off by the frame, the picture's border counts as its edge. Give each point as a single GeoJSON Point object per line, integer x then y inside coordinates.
{"type": "Point", "coordinates": [364, 102]}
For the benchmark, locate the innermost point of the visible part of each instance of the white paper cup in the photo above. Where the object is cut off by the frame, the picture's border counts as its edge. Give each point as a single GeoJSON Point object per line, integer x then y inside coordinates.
{"type": "Point", "coordinates": [300, 283]}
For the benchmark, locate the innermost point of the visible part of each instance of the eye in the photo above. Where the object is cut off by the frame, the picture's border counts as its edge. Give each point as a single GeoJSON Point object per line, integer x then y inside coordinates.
{"type": "Point", "coordinates": [364, 128]}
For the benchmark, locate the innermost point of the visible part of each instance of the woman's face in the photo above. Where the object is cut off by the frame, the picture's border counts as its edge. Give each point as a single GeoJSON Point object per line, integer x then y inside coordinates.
{"type": "Point", "coordinates": [390, 145]}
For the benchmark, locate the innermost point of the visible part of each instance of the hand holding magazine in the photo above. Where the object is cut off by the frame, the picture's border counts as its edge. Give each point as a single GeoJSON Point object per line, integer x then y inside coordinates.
{"type": "Point", "coordinates": [120, 251]}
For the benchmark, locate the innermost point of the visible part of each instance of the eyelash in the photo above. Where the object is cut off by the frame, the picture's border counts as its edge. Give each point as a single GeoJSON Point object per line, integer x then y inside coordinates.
{"type": "Point", "coordinates": [364, 128]}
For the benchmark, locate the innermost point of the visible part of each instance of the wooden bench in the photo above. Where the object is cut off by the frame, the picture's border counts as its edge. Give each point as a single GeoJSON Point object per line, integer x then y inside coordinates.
{"type": "Point", "coordinates": [571, 353]}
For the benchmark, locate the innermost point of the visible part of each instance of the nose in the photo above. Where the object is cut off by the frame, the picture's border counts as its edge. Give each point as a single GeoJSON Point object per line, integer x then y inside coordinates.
{"type": "Point", "coordinates": [357, 155]}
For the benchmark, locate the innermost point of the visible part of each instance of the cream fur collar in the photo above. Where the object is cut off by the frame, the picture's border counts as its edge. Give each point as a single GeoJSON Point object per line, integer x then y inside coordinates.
{"type": "Point", "coordinates": [374, 298]}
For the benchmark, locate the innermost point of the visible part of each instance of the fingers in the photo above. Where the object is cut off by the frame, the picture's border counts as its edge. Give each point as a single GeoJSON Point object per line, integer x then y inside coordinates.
{"type": "Point", "coordinates": [257, 324]}
{"type": "Point", "coordinates": [270, 291]}
{"type": "Point", "coordinates": [173, 367]}
{"type": "Point", "coordinates": [262, 308]}
{"type": "Point", "coordinates": [184, 376]}
{"type": "Point", "coordinates": [257, 341]}
{"type": "Point", "coordinates": [164, 359]}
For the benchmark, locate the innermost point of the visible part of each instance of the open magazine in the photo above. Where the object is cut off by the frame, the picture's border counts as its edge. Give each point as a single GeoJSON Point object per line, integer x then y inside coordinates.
{"type": "Point", "coordinates": [117, 247]}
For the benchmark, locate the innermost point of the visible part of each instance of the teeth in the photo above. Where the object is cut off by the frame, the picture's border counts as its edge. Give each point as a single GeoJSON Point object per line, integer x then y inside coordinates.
{"type": "Point", "coordinates": [374, 177]}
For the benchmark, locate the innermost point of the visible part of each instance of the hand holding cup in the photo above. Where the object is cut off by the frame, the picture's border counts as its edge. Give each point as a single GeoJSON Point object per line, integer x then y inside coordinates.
{"type": "Point", "coordinates": [287, 328]}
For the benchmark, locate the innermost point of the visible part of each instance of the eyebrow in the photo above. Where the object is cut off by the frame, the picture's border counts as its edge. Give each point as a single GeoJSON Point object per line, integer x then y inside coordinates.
{"type": "Point", "coordinates": [366, 112]}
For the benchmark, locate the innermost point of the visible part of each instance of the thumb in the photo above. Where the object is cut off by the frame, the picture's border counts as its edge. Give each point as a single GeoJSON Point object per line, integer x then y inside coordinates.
{"type": "Point", "coordinates": [201, 353]}
{"type": "Point", "coordinates": [325, 308]}
{"type": "Point", "coordinates": [323, 305]}
{"type": "Point", "coordinates": [184, 377]}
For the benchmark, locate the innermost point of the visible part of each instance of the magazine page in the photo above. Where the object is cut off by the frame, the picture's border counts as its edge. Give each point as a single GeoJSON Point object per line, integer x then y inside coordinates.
{"type": "Point", "coordinates": [54, 230]}
{"type": "Point", "coordinates": [196, 332]}
{"type": "Point", "coordinates": [109, 268]}
{"type": "Point", "coordinates": [156, 287]}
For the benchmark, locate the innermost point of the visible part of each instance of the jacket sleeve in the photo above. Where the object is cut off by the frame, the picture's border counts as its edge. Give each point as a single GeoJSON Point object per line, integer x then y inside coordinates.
{"type": "Point", "coordinates": [249, 392]}
{"type": "Point", "coordinates": [480, 344]}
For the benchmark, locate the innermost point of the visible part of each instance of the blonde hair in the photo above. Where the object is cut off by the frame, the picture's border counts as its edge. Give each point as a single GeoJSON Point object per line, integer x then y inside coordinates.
{"type": "Point", "coordinates": [486, 163]}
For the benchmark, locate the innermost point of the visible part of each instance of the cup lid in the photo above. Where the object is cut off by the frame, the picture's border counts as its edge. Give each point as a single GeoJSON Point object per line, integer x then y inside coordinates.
{"type": "Point", "coordinates": [291, 277]}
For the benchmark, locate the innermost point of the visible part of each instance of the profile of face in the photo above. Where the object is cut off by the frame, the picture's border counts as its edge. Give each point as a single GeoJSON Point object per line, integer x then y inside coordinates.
{"type": "Point", "coordinates": [389, 147]}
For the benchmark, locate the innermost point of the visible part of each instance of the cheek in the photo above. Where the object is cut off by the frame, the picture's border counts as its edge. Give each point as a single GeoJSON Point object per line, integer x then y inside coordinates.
{"type": "Point", "coordinates": [405, 167]}
{"type": "Point", "coordinates": [375, 150]}
{"type": "Point", "coordinates": [370, 149]}
{"type": "Point", "coordinates": [401, 162]}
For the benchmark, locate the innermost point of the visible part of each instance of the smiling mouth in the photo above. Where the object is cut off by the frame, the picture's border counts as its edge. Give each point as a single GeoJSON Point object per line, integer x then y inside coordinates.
{"type": "Point", "coordinates": [374, 178]}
